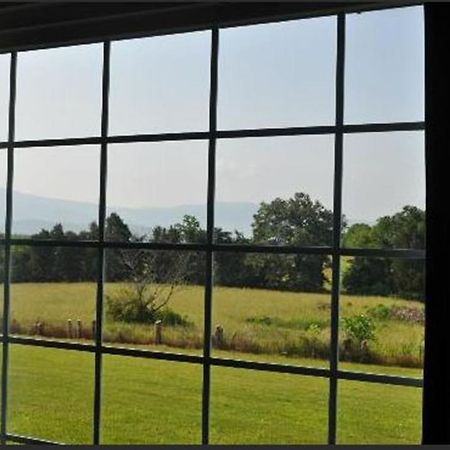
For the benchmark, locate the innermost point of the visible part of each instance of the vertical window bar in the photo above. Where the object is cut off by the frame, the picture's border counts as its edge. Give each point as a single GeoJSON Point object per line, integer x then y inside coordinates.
{"type": "Point", "coordinates": [8, 225]}
{"type": "Point", "coordinates": [337, 224]}
{"type": "Point", "coordinates": [210, 236]}
{"type": "Point", "coordinates": [101, 250]}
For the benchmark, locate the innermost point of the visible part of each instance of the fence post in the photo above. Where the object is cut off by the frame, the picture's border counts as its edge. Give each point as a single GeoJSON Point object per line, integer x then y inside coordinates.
{"type": "Point", "coordinates": [80, 329]}
{"type": "Point", "coordinates": [69, 329]}
{"type": "Point", "coordinates": [219, 336]}
{"type": "Point", "coordinates": [158, 332]}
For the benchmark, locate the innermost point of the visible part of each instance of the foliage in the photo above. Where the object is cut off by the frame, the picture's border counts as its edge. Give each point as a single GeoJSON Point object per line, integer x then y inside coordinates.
{"type": "Point", "coordinates": [359, 328]}
{"type": "Point", "coordinates": [380, 311]}
{"type": "Point", "coordinates": [388, 277]}
{"type": "Point", "coordinates": [153, 277]}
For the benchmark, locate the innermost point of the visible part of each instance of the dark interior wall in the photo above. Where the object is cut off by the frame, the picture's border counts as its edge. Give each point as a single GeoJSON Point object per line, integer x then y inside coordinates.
{"type": "Point", "coordinates": [35, 25]}
{"type": "Point", "coordinates": [436, 406]}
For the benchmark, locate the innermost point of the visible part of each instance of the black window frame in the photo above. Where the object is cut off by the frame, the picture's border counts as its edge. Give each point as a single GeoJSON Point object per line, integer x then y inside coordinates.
{"type": "Point", "coordinates": [339, 130]}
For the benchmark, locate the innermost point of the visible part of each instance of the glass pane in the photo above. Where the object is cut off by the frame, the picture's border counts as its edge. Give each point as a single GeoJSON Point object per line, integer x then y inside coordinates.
{"type": "Point", "coordinates": [53, 292]}
{"type": "Point", "coordinates": [151, 402]}
{"type": "Point", "coordinates": [154, 299]}
{"type": "Point", "coordinates": [164, 183]}
{"type": "Point", "coordinates": [59, 92]}
{"type": "Point", "coordinates": [287, 182]}
{"type": "Point", "coordinates": [51, 394]}
{"type": "Point", "coordinates": [384, 60]}
{"type": "Point", "coordinates": [382, 315]}
{"type": "Point", "coordinates": [272, 307]}
{"type": "Point", "coordinates": [370, 413]}
{"type": "Point", "coordinates": [58, 185]}
{"type": "Point", "coordinates": [277, 75]}
{"type": "Point", "coordinates": [160, 84]}
{"type": "Point", "coordinates": [251, 407]}
{"type": "Point", "coordinates": [384, 190]}
{"type": "Point", "coordinates": [4, 96]}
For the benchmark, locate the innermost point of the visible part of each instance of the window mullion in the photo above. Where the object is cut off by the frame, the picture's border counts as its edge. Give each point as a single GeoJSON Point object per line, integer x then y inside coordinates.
{"type": "Point", "coordinates": [337, 225]}
{"type": "Point", "coordinates": [8, 226]}
{"type": "Point", "coordinates": [101, 249]}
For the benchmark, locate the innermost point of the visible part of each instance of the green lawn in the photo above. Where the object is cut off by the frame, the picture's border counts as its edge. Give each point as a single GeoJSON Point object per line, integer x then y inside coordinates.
{"type": "Point", "coordinates": [51, 396]}
{"type": "Point", "coordinates": [150, 401]}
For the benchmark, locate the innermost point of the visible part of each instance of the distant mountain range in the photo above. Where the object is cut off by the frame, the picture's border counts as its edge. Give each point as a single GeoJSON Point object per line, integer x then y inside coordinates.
{"type": "Point", "coordinates": [32, 213]}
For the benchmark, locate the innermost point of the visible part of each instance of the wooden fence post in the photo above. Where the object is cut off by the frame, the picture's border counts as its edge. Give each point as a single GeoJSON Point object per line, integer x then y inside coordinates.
{"type": "Point", "coordinates": [219, 336]}
{"type": "Point", "coordinates": [80, 329]}
{"type": "Point", "coordinates": [69, 329]}
{"type": "Point", "coordinates": [158, 332]}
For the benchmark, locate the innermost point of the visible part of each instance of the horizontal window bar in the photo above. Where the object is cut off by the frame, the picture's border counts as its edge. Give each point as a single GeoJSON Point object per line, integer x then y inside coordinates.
{"type": "Point", "coordinates": [405, 253]}
{"type": "Point", "coordinates": [221, 362]}
{"type": "Point", "coordinates": [50, 343]}
{"type": "Point", "coordinates": [30, 440]}
{"type": "Point", "coordinates": [384, 127]}
{"type": "Point", "coordinates": [379, 378]}
{"type": "Point", "coordinates": [234, 248]}
{"type": "Point", "coordinates": [222, 134]}
{"type": "Point", "coordinates": [270, 367]}
{"type": "Point", "coordinates": [151, 354]}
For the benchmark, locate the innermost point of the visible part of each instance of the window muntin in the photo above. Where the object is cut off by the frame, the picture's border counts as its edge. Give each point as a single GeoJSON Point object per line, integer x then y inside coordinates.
{"type": "Point", "coordinates": [338, 372]}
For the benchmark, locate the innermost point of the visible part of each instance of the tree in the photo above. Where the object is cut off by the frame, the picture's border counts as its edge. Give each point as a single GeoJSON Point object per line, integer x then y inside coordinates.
{"type": "Point", "coordinates": [297, 221]}
{"type": "Point", "coordinates": [375, 276]}
{"type": "Point", "coordinates": [152, 280]}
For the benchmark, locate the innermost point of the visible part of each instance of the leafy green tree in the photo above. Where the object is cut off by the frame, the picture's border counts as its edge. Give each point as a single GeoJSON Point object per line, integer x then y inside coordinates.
{"type": "Point", "coordinates": [374, 276]}
{"type": "Point", "coordinates": [297, 221]}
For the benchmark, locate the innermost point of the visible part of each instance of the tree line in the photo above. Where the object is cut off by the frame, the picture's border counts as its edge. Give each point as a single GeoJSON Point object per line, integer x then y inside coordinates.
{"type": "Point", "coordinates": [296, 221]}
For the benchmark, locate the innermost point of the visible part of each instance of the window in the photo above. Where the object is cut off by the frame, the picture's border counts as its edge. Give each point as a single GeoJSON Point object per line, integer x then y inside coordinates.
{"type": "Point", "coordinates": [216, 236]}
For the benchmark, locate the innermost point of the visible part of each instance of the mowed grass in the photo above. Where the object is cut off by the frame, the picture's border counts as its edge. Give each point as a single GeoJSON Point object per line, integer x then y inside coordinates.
{"type": "Point", "coordinates": [150, 401]}
{"type": "Point", "coordinates": [241, 312]}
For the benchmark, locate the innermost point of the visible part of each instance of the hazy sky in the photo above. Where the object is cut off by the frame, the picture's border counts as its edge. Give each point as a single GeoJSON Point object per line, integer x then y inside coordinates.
{"type": "Point", "coordinates": [269, 76]}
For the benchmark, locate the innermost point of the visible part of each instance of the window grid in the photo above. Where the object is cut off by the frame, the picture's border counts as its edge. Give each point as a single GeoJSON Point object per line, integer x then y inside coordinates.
{"type": "Point", "coordinates": [339, 129]}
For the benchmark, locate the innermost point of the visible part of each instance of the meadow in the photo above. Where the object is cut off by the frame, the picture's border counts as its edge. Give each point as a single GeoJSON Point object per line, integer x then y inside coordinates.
{"type": "Point", "coordinates": [150, 401]}
{"type": "Point", "coordinates": [262, 323]}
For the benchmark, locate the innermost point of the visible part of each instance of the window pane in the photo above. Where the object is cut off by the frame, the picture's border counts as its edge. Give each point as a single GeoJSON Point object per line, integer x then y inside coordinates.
{"type": "Point", "coordinates": [384, 79]}
{"type": "Point", "coordinates": [53, 292]}
{"type": "Point", "coordinates": [251, 407]}
{"type": "Point", "coordinates": [384, 190]}
{"type": "Point", "coordinates": [154, 299]}
{"type": "Point", "coordinates": [150, 401]}
{"type": "Point", "coordinates": [277, 75]}
{"type": "Point", "coordinates": [160, 84]}
{"type": "Point", "coordinates": [51, 394]}
{"type": "Point", "coordinates": [59, 92]}
{"type": "Point", "coordinates": [58, 185]}
{"type": "Point", "coordinates": [382, 315]}
{"type": "Point", "coordinates": [155, 185]}
{"type": "Point", "coordinates": [272, 307]}
{"type": "Point", "coordinates": [281, 180]}
{"type": "Point", "coordinates": [4, 96]}
{"type": "Point", "coordinates": [370, 413]}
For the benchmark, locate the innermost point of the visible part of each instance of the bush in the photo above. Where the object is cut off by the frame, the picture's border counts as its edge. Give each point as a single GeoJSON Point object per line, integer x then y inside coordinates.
{"type": "Point", "coordinates": [359, 328]}
{"type": "Point", "coordinates": [381, 312]}
{"type": "Point", "coordinates": [129, 308]}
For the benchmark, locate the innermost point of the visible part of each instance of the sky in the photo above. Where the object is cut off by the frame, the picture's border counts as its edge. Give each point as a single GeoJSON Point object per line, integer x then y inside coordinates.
{"type": "Point", "coordinates": [272, 75]}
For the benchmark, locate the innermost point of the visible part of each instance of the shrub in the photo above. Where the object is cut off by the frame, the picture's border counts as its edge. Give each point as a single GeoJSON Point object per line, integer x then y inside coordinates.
{"type": "Point", "coordinates": [381, 312]}
{"type": "Point", "coordinates": [129, 308]}
{"type": "Point", "coordinates": [359, 328]}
